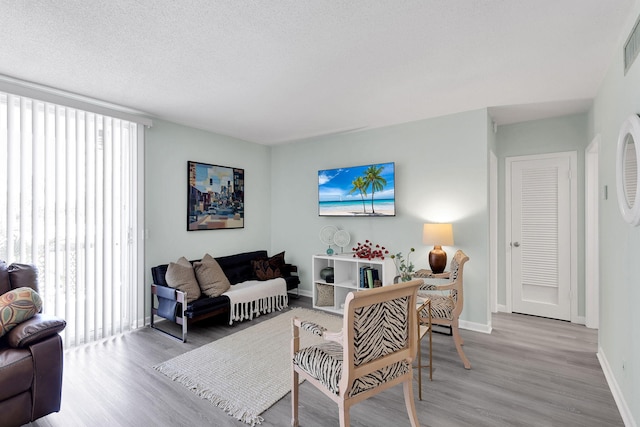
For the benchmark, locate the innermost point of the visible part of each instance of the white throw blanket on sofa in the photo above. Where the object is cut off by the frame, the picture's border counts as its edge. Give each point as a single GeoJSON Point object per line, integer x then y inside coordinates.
{"type": "Point", "coordinates": [255, 297]}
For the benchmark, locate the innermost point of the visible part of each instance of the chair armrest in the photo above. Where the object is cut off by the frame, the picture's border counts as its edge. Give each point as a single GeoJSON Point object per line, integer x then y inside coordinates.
{"type": "Point", "coordinates": [432, 275]}
{"type": "Point", "coordinates": [168, 300]}
{"type": "Point", "coordinates": [433, 287]}
{"type": "Point", "coordinates": [168, 293]}
{"type": "Point", "coordinates": [318, 330]}
{"type": "Point", "coordinates": [334, 336]}
{"type": "Point", "coordinates": [289, 269]}
{"type": "Point", "coordinates": [314, 328]}
{"type": "Point", "coordinates": [36, 329]}
{"type": "Point", "coordinates": [446, 287]}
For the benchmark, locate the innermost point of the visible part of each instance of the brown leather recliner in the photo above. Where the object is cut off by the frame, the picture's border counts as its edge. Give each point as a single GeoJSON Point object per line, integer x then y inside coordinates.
{"type": "Point", "coordinates": [30, 358]}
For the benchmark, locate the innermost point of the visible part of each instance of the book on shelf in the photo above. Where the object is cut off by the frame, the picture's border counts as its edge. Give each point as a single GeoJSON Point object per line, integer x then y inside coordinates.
{"type": "Point", "coordinates": [368, 277]}
{"type": "Point", "coordinates": [363, 277]}
{"type": "Point", "coordinates": [376, 275]}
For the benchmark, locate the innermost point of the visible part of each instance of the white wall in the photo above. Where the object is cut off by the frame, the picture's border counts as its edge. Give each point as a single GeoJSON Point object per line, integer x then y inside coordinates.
{"type": "Point", "coordinates": [619, 340]}
{"type": "Point", "coordinates": [168, 149]}
{"type": "Point", "coordinates": [441, 176]}
{"type": "Point", "coordinates": [559, 134]}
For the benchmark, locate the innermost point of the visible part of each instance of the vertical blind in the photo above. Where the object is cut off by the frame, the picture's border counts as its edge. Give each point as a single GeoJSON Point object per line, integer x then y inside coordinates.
{"type": "Point", "coordinates": [70, 203]}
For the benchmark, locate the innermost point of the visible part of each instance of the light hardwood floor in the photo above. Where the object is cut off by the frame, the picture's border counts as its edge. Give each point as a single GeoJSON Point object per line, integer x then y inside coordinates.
{"type": "Point", "coordinates": [528, 372]}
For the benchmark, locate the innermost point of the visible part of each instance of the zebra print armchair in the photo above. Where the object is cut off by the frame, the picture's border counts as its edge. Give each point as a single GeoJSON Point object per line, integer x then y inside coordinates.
{"type": "Point", "coordinates": [373, 352]}
{"type": "Point", "coordinates": [446, 309]}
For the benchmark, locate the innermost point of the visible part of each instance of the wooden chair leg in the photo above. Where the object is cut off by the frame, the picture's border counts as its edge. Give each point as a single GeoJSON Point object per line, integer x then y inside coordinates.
{"type": "Point", "coordinates": [295, 346]}
{"type": "Point", "coordinates": [294, 398]}
{"type": "Point", "coordinates": [407, 386]}
{"type": "Point", "coordinates": [419, 370]}
{"type": "Point", "coordinates": [430, 354]}
{"type": "Point", "coordinates": [343, 409]}
{"type": "Point", "coordinates": [458, 341]}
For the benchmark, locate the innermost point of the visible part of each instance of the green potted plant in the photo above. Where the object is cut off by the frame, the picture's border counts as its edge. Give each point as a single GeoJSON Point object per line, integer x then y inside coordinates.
{"type": "Point", "coordinates": [404, 267]}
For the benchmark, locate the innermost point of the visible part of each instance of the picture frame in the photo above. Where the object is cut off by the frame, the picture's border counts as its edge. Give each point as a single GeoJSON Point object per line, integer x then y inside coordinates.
{"type": "Point", "coordinates": [357, 191]}
{"type": "Point", "coordinates": [215, 197]}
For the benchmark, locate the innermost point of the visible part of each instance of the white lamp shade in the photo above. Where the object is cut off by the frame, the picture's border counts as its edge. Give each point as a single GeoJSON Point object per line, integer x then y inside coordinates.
{"type": "Point", "coordinates": [437, 234]}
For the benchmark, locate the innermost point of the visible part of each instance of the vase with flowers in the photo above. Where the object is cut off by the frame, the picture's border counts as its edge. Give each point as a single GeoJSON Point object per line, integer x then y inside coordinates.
{"type": "Point", "coordinates": [404, 266]}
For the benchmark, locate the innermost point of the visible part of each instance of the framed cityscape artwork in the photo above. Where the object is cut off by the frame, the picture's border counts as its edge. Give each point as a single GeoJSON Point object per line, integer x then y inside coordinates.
{"type": "Point", "coordinates": [215, 197]}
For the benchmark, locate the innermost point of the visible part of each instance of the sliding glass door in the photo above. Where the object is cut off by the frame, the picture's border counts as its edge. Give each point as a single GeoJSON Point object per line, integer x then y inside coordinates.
{"type": "Point", "coordinates": [70, 203]}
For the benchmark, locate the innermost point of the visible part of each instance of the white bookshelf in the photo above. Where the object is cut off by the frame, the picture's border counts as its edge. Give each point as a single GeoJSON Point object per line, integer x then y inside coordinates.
{"type": "Point", "coordinates": [346, 271]}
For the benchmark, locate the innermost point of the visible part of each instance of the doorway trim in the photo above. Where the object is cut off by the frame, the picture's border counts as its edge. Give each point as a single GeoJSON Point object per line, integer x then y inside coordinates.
{"type": "Point", "coordinates": [573, 243]}
{"type": "Point", "coordinates": [493, 233]}
{"type": "Point", "coordinates": [591, 244]}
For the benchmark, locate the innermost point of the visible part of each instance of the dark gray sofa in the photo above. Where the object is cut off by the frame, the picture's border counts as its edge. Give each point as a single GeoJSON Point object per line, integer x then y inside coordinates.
{"type": "Point", "coordinates": [169, 303]}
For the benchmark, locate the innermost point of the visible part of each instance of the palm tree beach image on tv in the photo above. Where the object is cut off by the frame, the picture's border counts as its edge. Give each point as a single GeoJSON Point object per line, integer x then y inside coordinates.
{"type": "Point", "coordinates": [367, 190]}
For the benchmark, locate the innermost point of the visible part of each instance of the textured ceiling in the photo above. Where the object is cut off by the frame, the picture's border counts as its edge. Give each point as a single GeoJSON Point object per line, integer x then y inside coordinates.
{"type": "Point", "coordinates": [282, 70]}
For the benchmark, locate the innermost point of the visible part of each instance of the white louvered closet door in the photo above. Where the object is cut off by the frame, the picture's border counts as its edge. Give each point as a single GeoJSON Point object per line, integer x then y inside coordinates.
{"type": "Point", "coordinates": [540, 237]}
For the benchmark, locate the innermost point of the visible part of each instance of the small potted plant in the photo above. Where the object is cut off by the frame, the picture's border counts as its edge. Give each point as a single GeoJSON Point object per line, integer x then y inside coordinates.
{"type": "Point", "coordinates": [403, 266]}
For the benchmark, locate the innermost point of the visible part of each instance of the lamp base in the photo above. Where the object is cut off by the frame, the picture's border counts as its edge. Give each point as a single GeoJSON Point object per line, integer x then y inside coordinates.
{"type": "Point", "coordinates": [437, 260]}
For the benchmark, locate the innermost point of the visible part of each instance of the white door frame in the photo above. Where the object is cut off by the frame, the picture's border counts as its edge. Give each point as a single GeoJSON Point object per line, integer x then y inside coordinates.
{"type": "Point", "coordinates": [493, 233]}
{"type": "Point", "coordinates": [592, 248]}
{"type": "Point", "coordinates": [573, 157]}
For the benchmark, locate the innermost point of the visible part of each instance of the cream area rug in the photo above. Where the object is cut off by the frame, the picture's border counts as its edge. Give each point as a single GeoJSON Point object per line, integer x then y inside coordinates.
{"type": "Point", "coordinates": [247, 372]}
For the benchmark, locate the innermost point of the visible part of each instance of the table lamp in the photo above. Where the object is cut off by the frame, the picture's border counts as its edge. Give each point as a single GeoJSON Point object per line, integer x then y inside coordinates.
{"type": "Point", "coordinates": [437, 235]}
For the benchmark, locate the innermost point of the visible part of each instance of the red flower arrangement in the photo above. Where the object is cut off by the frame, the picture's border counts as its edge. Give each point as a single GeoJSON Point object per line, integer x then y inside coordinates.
{"type": "Point", "coordinates": [368, 251]}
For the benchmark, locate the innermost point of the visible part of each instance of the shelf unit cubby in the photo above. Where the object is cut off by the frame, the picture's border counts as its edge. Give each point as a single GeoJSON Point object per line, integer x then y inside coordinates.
{"type": "Point", "coordinates": [346, 270]}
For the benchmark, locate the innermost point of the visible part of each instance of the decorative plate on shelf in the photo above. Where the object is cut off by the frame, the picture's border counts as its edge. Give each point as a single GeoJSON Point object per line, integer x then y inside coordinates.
{"type": "Point", "coordinates": [327, 234]}
{"type": "Point", "coordinates": [342, 239]}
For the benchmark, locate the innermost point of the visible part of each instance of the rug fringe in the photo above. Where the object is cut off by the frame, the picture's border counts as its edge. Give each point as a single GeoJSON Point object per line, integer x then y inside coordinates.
{"type": "Point", "coordinates": [240, 414]}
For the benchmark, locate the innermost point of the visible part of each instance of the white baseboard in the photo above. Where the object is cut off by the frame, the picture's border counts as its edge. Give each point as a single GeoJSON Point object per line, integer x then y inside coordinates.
{"type": "Point", "coordinates": [579, 320]}
{"type": "Point", "coordinates": [476, 327]}
{"type": "Point", "coordinates": [625, 411]}
{"type": "Point", "coordinates": [305, 293]}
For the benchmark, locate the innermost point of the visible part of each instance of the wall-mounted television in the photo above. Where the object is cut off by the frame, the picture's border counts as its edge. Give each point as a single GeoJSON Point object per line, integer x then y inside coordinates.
{"type": "Point", "coordinates": [357, 191]}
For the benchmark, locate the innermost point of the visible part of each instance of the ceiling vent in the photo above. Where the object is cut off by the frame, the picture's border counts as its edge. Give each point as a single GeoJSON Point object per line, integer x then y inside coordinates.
{"type": "Point", "coordinates": [632, 46]}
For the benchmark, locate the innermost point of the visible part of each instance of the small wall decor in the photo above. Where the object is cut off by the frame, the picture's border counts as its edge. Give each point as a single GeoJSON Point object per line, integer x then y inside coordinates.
{"type": "Point", "coordinates": [215, 197]}
{"type": "Point", "coordinates": [627, 171]}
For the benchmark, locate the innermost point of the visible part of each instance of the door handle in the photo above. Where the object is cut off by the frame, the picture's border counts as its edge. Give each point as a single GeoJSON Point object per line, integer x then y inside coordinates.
{"type": "Point", "coordinates": [516, 244]}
